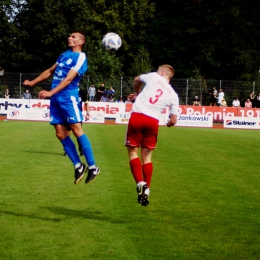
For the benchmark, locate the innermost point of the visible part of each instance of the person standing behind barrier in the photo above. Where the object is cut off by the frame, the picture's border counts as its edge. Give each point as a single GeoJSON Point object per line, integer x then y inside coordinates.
{"type": "Point", "coordinates": [196, 101]}
{"type": "Point", "coordinates": [92, 93]}
{"type": "Point", "coordinates": [221, 95]}
{"type": "Point", "coordinates": [248, 103]}
{"type": "Point", "coordinates": [27, 95]}
{"type": "Point", "coordinates": [236, 103]}
{"type": "Point", "coordinates": [258, 100]}
{"type": "Point", "coordinates": [252, 98]}
{"type": "Point", "coordinates": [213, 97]}
{"type": "Point", "coordinates": [101, 90]}
{"type": "Point", "coordinates": [7, 93]}
{"type": "Point", "coordinates": [64, 110]}
{"type": "Point", "coordinates": [142, 130]}
{"type": "Point", "coordinates": [223, 103]}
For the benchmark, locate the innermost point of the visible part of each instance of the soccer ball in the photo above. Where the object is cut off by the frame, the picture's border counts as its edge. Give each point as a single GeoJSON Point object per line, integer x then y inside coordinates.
{"type": "Point", "coordinates": [111, 42]}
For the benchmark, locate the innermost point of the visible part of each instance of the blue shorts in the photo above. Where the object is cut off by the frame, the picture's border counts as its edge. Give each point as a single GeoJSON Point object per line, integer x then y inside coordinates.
{"type": "Point", "coordinates": [65, 110]}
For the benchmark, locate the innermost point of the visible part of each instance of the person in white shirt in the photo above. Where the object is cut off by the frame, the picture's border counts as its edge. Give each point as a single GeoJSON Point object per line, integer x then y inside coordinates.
{"type": "Point", "coordinates": [142, 130]}
{"type": "Point", "coordinates": [236, 103]}
{"type": "Point", "coordinates": [92, 93]}
{"type": "Point", "coordinates": [221, 95]}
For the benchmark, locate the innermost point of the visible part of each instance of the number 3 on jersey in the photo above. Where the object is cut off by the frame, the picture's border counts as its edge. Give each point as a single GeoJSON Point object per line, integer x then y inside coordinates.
{"type": "Point", "coordinates": [156, 98]}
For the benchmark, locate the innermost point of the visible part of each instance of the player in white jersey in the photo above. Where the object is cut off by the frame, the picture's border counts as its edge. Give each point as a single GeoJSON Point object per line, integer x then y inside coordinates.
{"type": "Point", "coordinates": [64, 109]}
{"type": "Point", "coordinates": [143, 125]}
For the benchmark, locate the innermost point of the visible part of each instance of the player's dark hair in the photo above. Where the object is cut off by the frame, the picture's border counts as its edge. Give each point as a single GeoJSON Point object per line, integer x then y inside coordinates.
{"type": "Point", "coordinates": [82, 33]}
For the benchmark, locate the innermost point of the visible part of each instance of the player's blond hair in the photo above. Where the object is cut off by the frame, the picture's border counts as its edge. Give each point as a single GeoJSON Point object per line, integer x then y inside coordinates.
{"type": "Point", "coordinates": [169, 70]}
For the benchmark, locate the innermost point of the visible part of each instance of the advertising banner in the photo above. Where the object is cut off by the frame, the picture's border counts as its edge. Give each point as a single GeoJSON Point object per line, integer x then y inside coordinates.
{"type": "Point", "coordinates": [28, 114]}
{"type": "Point", "coordinates": [195, 121]}
{"type": "Point", "coordinates": [242, 122]}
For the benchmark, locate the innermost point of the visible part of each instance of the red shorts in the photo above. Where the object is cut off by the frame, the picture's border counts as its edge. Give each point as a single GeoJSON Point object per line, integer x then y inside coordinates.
{"type": "Point", "coordinates": [142, 131]}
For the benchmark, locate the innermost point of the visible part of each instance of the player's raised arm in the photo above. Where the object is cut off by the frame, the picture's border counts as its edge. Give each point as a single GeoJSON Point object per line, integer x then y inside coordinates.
{"type": "Point", "coordinates": [43, 76]}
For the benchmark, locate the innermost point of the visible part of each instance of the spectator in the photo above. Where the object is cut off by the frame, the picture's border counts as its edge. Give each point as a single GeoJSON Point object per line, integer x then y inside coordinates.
{"type": "Point", "coordinates": [101, 90]}
{"type": "Point", "coordinates": [258, 100]}
{"type": "Point", "coordinates": [120, 100]}
{"type": "Point", "coordinates": [213, 97]}
{"type": "Point", "coordinates": [223, 103]}
{"type": "Point", "coordinates": [27, 95]}
{"type": "Point", "coordinates": [248, 103]}
{"type": "Point", "coordinates": [221, 95]}
{"type": "Point", "coordinates": [128, 100]}
{"type": "Point", "coordinates": [104, 98]}
{"type": "Point", "coordinates": [252, 98]}
{"type": "Point", "coordinates": [7, 93]}
{"type": "Point", "coordinates": [111, 89]}
{"type": "Point", "coordinates": [110, 98]}
{"type": "Point", "coordinates": [92, 93]}
{"type": "Point", "coordinates": [196, 101]}
{"type": "Point", "coordinates": [236, 102]}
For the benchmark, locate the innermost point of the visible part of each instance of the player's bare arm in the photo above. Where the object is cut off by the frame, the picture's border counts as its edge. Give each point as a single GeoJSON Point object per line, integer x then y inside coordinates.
{"type": "Point", "coordinates": [63, 84]}
{"type": "Point", "coordinates": [137, 85]}
{"type": "Point", "coordinates": [172, 120]}
{"type": "Point", "coordinates": [43, 76]}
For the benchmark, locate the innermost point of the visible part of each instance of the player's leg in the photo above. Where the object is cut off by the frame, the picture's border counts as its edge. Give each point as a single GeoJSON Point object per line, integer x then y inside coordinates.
{"type": "Point", "coordinates": [133, 140]}
{"type": "Point", "coordinates": [70, 149]}
{"type": "Point", "coordinates": [68, 134]}
{"type": "Point", "coordinates": [147, 146]}
{"type": "Point", "coordinates": [85, 144]}
{"type": "Point", "coordinates": [135, 164]}
{"type": "Point", "coordinates": [147, 167]}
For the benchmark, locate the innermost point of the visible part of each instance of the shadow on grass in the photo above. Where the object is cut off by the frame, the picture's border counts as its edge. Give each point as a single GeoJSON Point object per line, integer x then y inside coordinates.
{"type": "Point", "coordinates": [68, 213]}
{"type": "Point", "coordinates": [85, 214]}
{"type": "Point", "coordinates": [30, 216]}
{"type": "Point", "coordinates": [40, 152]}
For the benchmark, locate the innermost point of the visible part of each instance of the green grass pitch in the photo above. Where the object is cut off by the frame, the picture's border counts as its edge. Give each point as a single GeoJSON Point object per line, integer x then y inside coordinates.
{"type": "Point", "coordinates": [204, 202]}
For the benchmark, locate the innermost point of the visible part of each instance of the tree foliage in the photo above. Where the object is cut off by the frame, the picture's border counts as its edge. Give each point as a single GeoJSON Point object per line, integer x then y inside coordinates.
{"type": "Point", "coordinates": [222, 38]}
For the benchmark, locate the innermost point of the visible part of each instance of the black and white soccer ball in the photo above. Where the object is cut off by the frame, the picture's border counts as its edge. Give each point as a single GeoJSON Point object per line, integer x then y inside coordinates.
{"type": "Point", "coordinates": [111, 41]}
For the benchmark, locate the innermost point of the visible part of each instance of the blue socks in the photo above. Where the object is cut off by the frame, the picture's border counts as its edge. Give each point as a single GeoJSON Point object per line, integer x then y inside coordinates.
{"type": "Point", "coordinates": [70, 149]}
{"type": "Point", "coordinates": [87, 150]}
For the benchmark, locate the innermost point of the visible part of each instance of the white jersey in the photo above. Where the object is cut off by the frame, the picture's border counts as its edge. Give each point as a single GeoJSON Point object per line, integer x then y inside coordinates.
{"type": "Point", "coordinates": [156, 95]}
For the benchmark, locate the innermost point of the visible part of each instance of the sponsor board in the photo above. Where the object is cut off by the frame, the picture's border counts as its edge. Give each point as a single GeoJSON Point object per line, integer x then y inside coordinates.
{"type": "Point", "coordinates": [194, 121]}
{"type": "Point", "coordinates": [96, 117]}
{"type": "Point", "coordinates": [123, 118]}
{"type": "Point", "coordinates": [28, 114]}
{"type": "Point", "coordinates": [242, 122]}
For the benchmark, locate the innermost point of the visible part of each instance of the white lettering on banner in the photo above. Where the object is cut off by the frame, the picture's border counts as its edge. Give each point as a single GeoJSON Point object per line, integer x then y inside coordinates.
{"type": "Point", "coordinates": [215, 115]}
{"type": "Point", "coordinates": [249, 113]}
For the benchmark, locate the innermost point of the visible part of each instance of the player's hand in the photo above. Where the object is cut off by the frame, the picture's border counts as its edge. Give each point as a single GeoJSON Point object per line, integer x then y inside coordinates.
{"type": "Point", "coordinates": [44, 94]}
{"type": "Point", "coordinates": [169, 123]}
{"type": "Point", "coordinates": [27, 83]}
{"type": "Point", "coordinates": [87, 117]}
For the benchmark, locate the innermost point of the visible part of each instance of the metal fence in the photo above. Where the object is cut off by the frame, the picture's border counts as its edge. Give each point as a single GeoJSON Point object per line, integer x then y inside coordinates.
{"type": "Point", "coordinates": [187, 89]}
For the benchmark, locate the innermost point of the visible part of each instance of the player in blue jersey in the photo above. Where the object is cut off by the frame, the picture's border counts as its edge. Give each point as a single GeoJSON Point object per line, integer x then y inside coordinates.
{"type": "Point", "coordinates": [64, 109]}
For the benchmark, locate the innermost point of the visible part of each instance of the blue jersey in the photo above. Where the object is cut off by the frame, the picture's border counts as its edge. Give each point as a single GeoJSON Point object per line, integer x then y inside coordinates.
{"type": "Point", "coordinates": [67, 61]}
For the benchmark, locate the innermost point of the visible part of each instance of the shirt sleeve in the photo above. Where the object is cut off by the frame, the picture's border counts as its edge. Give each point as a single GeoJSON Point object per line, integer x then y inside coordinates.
{"type": "Point", "coordinates": [81, 64]}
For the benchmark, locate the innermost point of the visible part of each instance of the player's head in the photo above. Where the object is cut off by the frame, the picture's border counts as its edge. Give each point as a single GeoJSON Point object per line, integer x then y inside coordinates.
{"type": "Point", "coordinates": [166, 70]}
{"type": "Point", "coordinates": [77, 38]}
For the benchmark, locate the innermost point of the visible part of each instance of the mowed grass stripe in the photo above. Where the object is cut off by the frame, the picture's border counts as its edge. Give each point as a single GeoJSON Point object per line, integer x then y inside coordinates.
{"type": "Point", "coordinates": [204, 200]}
